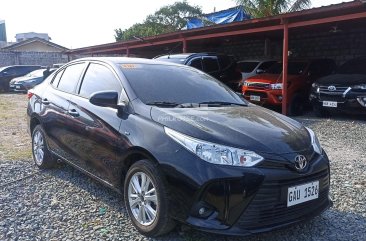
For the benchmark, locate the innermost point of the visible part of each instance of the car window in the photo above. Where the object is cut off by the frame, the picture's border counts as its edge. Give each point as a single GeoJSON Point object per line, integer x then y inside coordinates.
{"type": "Point", "coordinates": [355, 66]}
{"type": "Point", "coordinates": [225, 61]}
{"type": "Point", "coordinates": [179, 84]}
{"type": "Point", "coordinates": [266, 65]}
{"type": "Point", "coordinates": [196, 63]}
{"type": "Point", "coordinates": [172, 60]}
{"type": "Point", "coordinates": [98, 78]}
{"type": "Point", "coordinates": [57, 78]}
{"type": "Point", "coordinates": [293, 68]}
{"type": "Point", "coordinates": [70, 77]}
{"type": "Point", "coordinates": [322, 67]}
{"type": "Point", "coordinates": [247, 67]}
{"type": "Point", "coordinates": [11, 70]}
{"type": "Point", "coordinates": [210, 64]}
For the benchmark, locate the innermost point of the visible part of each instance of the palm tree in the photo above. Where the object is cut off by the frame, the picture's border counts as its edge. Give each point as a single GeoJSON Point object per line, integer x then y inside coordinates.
{"type": "Point", "coordinates": [265, 8]}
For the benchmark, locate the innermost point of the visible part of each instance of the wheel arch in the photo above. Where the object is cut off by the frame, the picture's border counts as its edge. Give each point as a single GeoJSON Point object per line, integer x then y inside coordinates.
{"type": "Point", "coordinates": [34, 121]}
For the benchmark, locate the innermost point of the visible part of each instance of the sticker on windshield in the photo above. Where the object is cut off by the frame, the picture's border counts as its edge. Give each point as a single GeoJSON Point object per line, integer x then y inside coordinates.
{"type": "Point", "coordinates": [130, 66]}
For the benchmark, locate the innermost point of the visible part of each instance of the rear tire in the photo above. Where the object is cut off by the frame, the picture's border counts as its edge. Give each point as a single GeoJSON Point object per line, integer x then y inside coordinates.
{"type": "Point", "coordinates": [41, 155]}
{"type": "Point", "coordinates": [296, 107]}
{"type": "Point", "coordinates": [147, 200]}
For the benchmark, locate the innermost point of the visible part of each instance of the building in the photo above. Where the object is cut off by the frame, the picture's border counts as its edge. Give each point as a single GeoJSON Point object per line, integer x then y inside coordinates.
{"type": "Point", "coordinates": [3, 40]}
{"type": "Point", "coordinates": [24, 36]}
{"type": "Point", "coordinates": [35, 44]}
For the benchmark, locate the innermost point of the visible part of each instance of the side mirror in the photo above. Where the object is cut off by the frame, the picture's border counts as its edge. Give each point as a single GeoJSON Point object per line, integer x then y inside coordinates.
{"type": "Point", "coordinates": [105, 99]}
{"type": "Point", "coordinates": [260, 71]}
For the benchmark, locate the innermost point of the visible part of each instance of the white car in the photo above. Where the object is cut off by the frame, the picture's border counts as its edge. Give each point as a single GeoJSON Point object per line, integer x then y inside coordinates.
{"type": "Point", "coordinates": [249, 68]}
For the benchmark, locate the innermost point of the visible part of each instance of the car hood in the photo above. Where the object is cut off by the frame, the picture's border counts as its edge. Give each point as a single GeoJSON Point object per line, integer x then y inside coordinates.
{"type": "Point", "coordinates": [23, 79]}
{"type": "Point", "coordinates": [342, 79]}
{"type": "Point", "coordinates": [270, 78]}
{"type": "Point", "coordinates": [251, 128]}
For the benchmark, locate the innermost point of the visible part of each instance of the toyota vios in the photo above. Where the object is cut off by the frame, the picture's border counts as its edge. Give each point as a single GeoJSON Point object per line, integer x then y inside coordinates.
{"type": "Point", "coordinates": [180, 145]}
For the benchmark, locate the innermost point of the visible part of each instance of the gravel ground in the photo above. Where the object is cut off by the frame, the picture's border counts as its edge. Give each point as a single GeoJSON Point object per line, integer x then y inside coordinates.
{"type": "Point", "coordinates": [63, 204]}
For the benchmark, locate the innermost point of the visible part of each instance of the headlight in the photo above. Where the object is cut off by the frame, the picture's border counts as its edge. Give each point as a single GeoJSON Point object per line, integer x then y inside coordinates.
{"type": "Point", "coordinates": [215, 153]}
{"type": "Point", "coordinates": [276, 86]}
{"type": "Point", "coordinates": [359, 87]}
{"type": "Point", "coordinates": [245, 83]}
{"type": "Point", "coordinates": [315, 85]}
{"type": "Point", "coordinates": [315, 142]}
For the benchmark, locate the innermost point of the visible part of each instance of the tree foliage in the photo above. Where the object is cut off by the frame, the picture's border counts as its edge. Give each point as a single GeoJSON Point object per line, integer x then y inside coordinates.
{"type": "Point", "coordinates": [265, 8]}
{"type": "Point", "coordinates": [169, 18]}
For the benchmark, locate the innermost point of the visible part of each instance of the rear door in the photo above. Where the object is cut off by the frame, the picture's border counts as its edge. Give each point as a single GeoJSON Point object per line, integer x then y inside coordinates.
{"type": "Point", "coordinates": [56, 120]}
{"type": "Point", "coordinates": [96, 129]}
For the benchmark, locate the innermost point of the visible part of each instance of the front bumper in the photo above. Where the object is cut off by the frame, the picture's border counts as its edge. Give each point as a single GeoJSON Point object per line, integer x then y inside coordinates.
{"type": "Point", "coordinates": [245, 201]}
{"type": "Point", "coordinates": [346, 102]}
{"type": "Point", "coordinates": [266, 96]}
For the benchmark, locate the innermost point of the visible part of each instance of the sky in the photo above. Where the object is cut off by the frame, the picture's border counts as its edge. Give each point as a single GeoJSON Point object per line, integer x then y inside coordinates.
{"type": "Point", "coordinates": [81, 23]}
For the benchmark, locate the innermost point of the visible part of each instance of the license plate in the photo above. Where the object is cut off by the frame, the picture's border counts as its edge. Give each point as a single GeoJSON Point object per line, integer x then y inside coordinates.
{"type": "Point", "coordinates": [302, 193]}
{"type": "Point", "coordinates": [17, 87]}
{"type": "Point", "coordinates": [255, 98]}
{"type": "Point", "coordinates": [330, 104]}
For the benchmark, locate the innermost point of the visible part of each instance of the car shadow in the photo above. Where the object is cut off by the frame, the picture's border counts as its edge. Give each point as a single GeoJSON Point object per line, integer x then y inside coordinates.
{"type": "Point", "coordinates": [331, 225]}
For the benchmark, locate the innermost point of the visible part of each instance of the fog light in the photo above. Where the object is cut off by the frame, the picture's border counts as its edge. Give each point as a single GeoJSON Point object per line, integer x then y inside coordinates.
{"type": "Point", "coordinates": [201, 211]}
{"type": "Point", "coordinates": [362, 101]}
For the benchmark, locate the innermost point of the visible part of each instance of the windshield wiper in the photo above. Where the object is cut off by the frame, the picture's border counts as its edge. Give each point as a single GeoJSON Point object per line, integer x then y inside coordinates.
{"type": "Point", "coordinates": [221, 103]}
{"type": "Point", "coordinates": [163, 103]}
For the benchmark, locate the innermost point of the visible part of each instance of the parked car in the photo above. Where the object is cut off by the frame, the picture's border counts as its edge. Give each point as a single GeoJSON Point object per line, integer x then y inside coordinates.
{"type": "Point", "coordinates": [251, 68]}
{"type": "Point", "coordinates": [344, 91]}
{"type": "Point", "coordinates": [28, 81]}
{"type": "Point", "coordinates": [10, 72]}
{"type": "Point", "coordinates": [266, 89]}
{"type": "Point", "coordinates": [220, 66]}
{"type": "Point", "coordinates": [180, 145]}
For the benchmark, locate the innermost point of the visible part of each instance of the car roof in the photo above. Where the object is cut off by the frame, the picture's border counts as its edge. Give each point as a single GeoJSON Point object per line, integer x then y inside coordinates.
{"type": "Point", "coordinates": [187, 55]}
{"type": "Point", "coordinates": [124, 60]}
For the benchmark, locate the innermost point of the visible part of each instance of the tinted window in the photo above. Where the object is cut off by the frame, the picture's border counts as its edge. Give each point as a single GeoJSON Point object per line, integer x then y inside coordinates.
{"type": "Point", "coordinates": [355, 66]}
{"type": "Point", "coordinates": [172, 60]}
{"type": "Point", "coordinates": [266, 65]}
{"type": "Point", "coordinates": [196, 63]}
{"type": "Point", "coordinates": [322, 67]}
{"type": "Point", "coordinates": [293, 68]}
{"type": "Point", "coordinates": [98, 78]}
{"type": "Point", "coordinates": [71, 77]}
{"type": "Point", "coordinates": [247, 67]}
{"type": "Point", "coordinates": [57, 78]}
{"type": "Point", "coordinates": [11, 71]}
{"type": "Point", "coordinates": [210, 64]}
{"type": "Point", "coordinates": [177, 84]}
{"type": "Point", "coordinates": [225, 61]}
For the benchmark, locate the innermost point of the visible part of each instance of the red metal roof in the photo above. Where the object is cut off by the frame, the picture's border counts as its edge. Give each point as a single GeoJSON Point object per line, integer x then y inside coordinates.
{"type": "Point", "coordinates": [327, 14]}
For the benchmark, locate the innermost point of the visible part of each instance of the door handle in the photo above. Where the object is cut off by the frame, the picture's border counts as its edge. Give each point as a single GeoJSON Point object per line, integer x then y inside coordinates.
{"type": "Point", "coordinates": [73, 113]}
{"type": "Point", "coordinates": [45, 101]}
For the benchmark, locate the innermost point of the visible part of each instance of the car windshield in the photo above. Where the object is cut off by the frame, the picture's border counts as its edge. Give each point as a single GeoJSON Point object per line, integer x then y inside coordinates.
{"type": "Point", "coordinates": [355, 66]}
{"type": "Point", "coordinates": [36, 73]}
{"type": "Point", "coordinates": [247, 67]}
{"type": "Point", "coordinates": [154, 83]}
{"type": "Point", "coordinates": [2, 68]}
{"type": "Point", "coordinates": [294, 68]}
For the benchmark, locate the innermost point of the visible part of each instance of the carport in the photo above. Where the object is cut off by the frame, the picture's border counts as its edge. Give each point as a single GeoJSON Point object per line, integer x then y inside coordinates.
{"type": "Point", "coordinates": [337, 31]}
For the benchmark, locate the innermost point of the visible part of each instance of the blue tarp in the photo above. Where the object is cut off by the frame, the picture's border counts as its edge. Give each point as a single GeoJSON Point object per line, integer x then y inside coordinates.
{"type": "Point", "coordinates": [225, 16]}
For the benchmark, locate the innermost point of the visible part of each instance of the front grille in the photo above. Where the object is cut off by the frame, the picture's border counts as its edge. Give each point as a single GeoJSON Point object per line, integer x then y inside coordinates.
{"type": "Point", "coordinates": [261, 94]}
{"type": "Point", "coordinates": [258, 85]}
{"type": "Point", "coordinates": [335, 98]}
{"type": "Point", "coordinates": [269, 206]}
{"type": "Point", "coordinates": [337, 91]}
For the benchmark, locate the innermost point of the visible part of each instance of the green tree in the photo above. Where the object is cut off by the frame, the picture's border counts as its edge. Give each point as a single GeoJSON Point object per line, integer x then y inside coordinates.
{"type": "Point", "coordinates": [169, 18]}
{"type": "Point", "coordinates": [265, 8]}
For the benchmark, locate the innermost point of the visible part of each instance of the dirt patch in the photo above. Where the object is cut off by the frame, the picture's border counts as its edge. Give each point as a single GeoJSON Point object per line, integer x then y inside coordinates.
{"type": "Point", "coordinates": [15, 142]}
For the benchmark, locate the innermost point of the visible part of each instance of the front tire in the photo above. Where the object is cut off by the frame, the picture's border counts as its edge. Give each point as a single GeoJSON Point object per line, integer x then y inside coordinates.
{"type": "Point", "coordinates": [147, 200]}
{"type": "Point", "coordinates": [41, 155]}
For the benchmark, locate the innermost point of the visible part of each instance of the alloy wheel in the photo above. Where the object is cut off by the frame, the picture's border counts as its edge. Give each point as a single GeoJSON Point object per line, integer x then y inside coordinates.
{"type": "Point", "coordinates": [142, 198]}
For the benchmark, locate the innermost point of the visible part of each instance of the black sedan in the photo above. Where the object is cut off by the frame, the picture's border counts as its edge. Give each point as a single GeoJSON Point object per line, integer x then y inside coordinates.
{"type": "Point", "coordinates": [26, 82]}
{"type": "Point", "coordinates": [344, 91]}
{"type": "Point", "coordinates": [180, 145]}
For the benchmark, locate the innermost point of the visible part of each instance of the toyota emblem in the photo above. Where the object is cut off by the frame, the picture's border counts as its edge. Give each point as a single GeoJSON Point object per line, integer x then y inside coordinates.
{"type": "Point", "coordinates": [300, 162]}
{"type": "Point", "coordinates": [332, 88]}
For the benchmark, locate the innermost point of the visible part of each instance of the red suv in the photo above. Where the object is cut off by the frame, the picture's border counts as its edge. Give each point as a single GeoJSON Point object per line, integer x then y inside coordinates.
{"type": "Point", "coordinates": [266, 89]}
